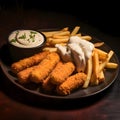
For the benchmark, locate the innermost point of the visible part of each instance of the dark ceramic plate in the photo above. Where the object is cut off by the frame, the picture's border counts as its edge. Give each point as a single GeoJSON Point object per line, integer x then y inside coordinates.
{"type": "Point", "coordinates": [110, 76]}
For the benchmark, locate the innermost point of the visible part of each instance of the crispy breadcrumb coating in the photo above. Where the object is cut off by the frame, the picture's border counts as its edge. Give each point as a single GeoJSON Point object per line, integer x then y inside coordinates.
{"type": "Point", "coordinates": [71, 83]}
{"type": "Point", "coordinates": [28, 62]}
{"type": "Point", "coordinates": [44, 68]}
{"type": "Point", "coordinates": [61, 72]}
{"type": "Point", "coordinates": [23, 76]}
{"type": "Point", "coordinates": [47, 85]}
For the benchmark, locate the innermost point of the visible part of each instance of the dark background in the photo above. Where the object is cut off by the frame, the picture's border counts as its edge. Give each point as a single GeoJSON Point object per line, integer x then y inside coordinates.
{"type": "Point", "coordinates": [103, 15]}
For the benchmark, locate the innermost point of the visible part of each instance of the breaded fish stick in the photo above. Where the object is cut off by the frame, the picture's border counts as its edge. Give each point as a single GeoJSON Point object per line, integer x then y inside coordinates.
{"type": "Point", "coordinates": [28, 62]}
{"type": "Point", "coordinates": [47, 85]}
{"type": "Point", "coordinates": [44, 68]}
{"type": "Point", "coordinates": [71, 83]}
{"type": "Point", "coordinates": [61, 72]}
{"type": "Point", "coordinates": [23, 76]}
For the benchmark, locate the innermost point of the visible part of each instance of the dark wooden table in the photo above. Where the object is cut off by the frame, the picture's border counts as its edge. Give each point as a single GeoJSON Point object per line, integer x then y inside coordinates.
{"type": "Point", "coordinates": [17, 105]}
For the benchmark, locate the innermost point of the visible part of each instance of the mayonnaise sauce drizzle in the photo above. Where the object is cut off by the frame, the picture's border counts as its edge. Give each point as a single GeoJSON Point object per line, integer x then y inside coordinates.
{"type": "Point", "coordinates": [80, 51]}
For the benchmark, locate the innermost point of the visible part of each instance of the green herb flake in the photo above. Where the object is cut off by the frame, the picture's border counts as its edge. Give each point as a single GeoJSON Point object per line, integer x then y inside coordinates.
{"type": "Point", "coordinates": [33, 32]}
{"type": "Point", "coordinates": [13, 40]}
{"type": "Point", "coordinates": [22, 36]}
{"type": "Point", "coordinates": [32, 37]}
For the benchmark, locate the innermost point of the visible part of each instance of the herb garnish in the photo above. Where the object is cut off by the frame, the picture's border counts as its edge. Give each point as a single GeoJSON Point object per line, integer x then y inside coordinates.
{"type": "Point", "coordinates": [22, 36]}
{"type": "Point", "coordinates": [32, 35]}
{"type": "Point", "coordinates": [13, 40]}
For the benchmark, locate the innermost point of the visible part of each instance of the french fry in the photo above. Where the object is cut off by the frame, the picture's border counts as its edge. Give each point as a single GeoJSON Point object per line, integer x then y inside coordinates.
{"type": "Point", "coordinates": [103, 64]}
{"type": "Point", "coordinates": [95, 63]}
{"type": "Point", "coordinates": [62, 33]}
{"type": "Point", "coordinates": [96, 79]}
{"type": "Point", "coordinates": [86, 37]}
{"type": "Point", "coordinates": [65, 29]}
{"type": "Point", "coordinates": [111, 65]}
{"type": "Point", "coordinates": [53, 41]}
{"type": "Point", "coordinates": [61, 36]}
{"type": "Point", "coordinates": [95, 70]}
{"type": "Point", "coordinates": [102, 54]}
{"type": "Point", "coordinates": [101, 77]}
{"type": "Point", "coordinates": [92, 80]}
{"type": "Point", "coordinates": [51, 49]}
{"type": "Point", "coordinates": [89, 73]}
{"type": "Point", "coordinates": [50, 33]}
{"type": "Point", "coordinates": [75, 30]}
{"type": "Point", "coordinates": [98, 44]}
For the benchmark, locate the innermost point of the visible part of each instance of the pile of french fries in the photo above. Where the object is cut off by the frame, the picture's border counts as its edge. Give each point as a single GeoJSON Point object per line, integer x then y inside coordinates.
{"type": "Point", "coordinates": [62, 37]}
{"type": "Point", "coordinates": [96, 64]}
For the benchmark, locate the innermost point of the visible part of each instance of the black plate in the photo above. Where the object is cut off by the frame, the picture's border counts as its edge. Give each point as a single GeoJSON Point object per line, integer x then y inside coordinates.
{"type": "Point", "coordinates": [110, 76]}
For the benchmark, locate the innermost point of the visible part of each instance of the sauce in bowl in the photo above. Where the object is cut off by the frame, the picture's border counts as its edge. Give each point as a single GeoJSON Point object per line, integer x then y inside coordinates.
{"type": "Point", "coordinates": [25, 43]}
{"type": "Point", "coordinates": [26, 38]}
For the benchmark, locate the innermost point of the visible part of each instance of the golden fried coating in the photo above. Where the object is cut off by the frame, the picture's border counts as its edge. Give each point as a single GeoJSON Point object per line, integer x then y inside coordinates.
{"type": "Point", "coordinates": [23, 76]}
{"type": "Point", "coordinates": [61, 72]}
{"type": "Point", "coordinates": [71, 83]}
{"type": "Point", "coordinates": [44, 68]}
{"type": "Point", "coordinates": [28, 62]}
{"type": "Point", "coordinates": [47, 85]}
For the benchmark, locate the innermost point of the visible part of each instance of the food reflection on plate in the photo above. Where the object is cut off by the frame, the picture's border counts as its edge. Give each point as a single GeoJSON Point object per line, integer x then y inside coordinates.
{"type": "Point", "coordinates": [68, 61]}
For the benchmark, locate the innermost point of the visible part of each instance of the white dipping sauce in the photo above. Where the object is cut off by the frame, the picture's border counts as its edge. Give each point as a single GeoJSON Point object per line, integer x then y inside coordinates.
{"type": "Point", "coordinates": [85, 45]}
{"type": "Point", "coordinates": [26, 38]}
{"type": "Point", "coordinates": [77, 50]}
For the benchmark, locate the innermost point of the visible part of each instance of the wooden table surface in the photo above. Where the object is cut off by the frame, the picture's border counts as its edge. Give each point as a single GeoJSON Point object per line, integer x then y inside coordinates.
{"type": "Point", "coordinates": [17, 105]}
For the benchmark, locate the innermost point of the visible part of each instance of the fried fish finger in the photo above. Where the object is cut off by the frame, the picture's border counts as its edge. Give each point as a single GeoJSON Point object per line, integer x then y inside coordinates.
{"type": "Point", "coordinates": [23, 76]}
{"type": "Point", "coordinates": [28, 62]}
{"type": "Point", "coordinates": [71, 83]}
{"type": "Point", "coordinates": [47, 85]}
{"type": "Point", "coordinates": [44, 68]}
{"type": "Point", "coordinates": [61, 72]}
